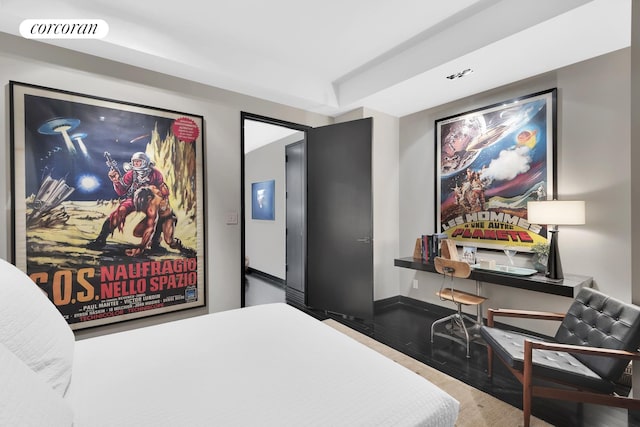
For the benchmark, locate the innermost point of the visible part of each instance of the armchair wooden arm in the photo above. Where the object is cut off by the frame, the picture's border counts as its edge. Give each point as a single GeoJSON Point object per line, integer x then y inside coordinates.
{"type": "Point", "coordinates": [592, 351]}
{"type": "Point", "coordinates": [529, 390]}
{"type": "Point", "coordinates": [524, 314]}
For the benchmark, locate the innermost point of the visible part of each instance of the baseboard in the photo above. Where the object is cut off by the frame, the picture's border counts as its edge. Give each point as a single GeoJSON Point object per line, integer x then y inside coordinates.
{"type": "Point", "coordinates": [295, 297]}
{"type": "Point", "coordinates": [395, 301]}
{"type": "Point", "coordinates": [381, 304]}
{"type": "Point", "coordinates": [273, 279]}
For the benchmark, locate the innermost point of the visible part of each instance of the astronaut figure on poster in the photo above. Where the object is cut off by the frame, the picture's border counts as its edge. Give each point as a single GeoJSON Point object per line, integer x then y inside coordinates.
{"type": "Point", "coordinates": [142, 189]}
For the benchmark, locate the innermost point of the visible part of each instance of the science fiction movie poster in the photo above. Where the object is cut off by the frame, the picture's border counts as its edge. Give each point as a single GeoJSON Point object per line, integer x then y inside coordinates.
{"type": "Point", "coordinates": [490, 163]}
{"type": "Point", "coordinates": [107, 204]}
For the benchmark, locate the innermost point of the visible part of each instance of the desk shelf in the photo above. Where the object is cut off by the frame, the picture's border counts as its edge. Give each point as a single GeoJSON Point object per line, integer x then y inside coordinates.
{"type": "Point", "coordinates": [567, 287]}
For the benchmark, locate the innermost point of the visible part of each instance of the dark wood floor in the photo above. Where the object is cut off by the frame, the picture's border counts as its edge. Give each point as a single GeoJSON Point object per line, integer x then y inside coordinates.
{"type": "Point", "coordinates": [404, 324]}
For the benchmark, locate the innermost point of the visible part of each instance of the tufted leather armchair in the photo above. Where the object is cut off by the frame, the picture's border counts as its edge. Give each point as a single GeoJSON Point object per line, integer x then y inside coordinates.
{"type": "Point", "coordinates": [597, 338]}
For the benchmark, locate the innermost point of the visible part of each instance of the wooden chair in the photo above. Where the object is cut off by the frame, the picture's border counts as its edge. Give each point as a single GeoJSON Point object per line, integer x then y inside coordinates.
{"type": "Point", "coordinates": [454, 268]}
{"type": "Point", "coordinates": [596, 340]}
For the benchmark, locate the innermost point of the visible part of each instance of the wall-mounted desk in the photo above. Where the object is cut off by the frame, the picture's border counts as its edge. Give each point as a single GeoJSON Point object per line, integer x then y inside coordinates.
{"type": "Point", "coordinates": [568, 287]}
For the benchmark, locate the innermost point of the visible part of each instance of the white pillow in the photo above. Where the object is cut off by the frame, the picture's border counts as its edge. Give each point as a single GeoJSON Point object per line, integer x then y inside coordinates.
{"type": "Point", "coordinates": [33, 329]}
{"type": "Point", "coordinates": [25, 399]}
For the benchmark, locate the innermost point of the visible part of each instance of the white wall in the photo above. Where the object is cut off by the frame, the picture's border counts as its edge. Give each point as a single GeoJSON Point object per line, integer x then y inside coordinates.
{"type": "Point", "coordinates": [41, 64]}
{"type": "Point", "coordinates": [265, 241]}
{"type": "Point", "coordinates": [635, 158]}
{"type": "Point", "coordinates": [635, 147]}
{"type": "Point", "coordinates": [592, 164]}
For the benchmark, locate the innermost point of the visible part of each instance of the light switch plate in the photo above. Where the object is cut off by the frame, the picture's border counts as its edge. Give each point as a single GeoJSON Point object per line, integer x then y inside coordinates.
{"type": "Point", "coordinates": [232, 218]}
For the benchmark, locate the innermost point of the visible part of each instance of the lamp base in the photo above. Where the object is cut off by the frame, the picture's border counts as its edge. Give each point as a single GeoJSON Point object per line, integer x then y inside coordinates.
{"type": "Point", "coordinates": [554, 266]}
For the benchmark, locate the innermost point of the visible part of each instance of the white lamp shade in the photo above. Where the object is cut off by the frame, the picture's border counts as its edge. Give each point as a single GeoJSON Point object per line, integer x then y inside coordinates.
{"type": "Point", "coordinates": [556, 212]}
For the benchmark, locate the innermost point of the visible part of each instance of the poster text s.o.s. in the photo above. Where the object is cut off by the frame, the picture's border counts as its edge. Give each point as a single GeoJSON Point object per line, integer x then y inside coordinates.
{"type": "Point", "coordinates": [94, 293]}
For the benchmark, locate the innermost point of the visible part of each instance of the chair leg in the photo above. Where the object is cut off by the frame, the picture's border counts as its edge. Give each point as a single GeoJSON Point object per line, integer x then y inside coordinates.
{"type": "Point", "coordinates": [526, 404]}
{"type": "Point", "coordinates": [437, 322]}
{"type": "Point", "coordinates": [489, 361]}
{"type": "Point", "coordinates": [455, 318]}
{"type": "Point", "coordinates": [527, 383]}
{"type": "Point", "coordinates": [464, 328]}
{"type": "Point", "coordinates": [580, 413]}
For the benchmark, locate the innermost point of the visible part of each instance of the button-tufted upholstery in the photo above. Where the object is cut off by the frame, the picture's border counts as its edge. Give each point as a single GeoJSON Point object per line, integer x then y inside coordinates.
{"type": "Point", "coordinates": [596, 320]}
{"type": "Point", "coordinates": [509, 346]}
{"type": "Point", "coordinates": [593, 320]}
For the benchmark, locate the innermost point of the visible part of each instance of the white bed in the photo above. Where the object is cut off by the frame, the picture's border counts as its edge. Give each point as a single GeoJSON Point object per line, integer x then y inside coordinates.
{"type": "Point", "coordinates": [269, 365]}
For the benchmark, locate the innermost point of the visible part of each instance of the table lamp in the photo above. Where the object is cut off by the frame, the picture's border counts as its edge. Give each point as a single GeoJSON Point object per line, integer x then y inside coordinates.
{"type": "Point", "coordinates": [555, 212]}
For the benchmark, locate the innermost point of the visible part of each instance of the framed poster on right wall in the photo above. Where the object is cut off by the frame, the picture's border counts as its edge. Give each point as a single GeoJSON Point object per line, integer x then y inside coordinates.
{"type": "Point", "coordinates": [489, 163]}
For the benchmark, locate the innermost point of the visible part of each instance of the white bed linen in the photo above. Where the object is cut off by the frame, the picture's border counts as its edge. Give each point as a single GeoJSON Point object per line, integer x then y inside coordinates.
{"type": "Point", "coordinates": [268, 365]}
{"type": "Point", "coordinates": [26, 399]}
{"type": "Point", "coordinates": [32, 328]}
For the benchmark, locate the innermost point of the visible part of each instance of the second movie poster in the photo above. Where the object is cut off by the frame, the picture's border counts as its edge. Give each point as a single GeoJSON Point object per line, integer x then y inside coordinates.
{"type": "Point", "coordinates": [491, 163]}
{"type": "Point", "coordinates": [108, 204]}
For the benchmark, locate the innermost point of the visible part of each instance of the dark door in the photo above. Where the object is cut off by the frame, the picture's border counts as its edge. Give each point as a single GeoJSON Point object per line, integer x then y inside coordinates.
{"type": "Point", "coordinates": [340, 219]}
{"type": "Point", "coordinates": [296, 232]}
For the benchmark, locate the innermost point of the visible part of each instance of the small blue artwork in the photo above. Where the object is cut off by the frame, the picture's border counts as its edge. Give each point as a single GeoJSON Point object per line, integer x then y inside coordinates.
{"type": "Point", "coordinates": [262, 200]}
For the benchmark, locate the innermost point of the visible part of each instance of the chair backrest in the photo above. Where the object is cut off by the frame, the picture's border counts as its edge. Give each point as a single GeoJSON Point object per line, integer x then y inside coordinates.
{"type": "Point", "coordinates": [596, 320]}
{"type": "Point", "coordinates": [452, 268]}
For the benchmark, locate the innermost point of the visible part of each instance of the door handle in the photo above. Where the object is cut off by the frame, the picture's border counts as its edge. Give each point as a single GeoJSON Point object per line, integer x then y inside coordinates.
{"type": "Point", "coordinates": [364, 240]}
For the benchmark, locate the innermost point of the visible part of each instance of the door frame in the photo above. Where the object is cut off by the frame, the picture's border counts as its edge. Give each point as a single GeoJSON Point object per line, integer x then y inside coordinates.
{"type": "Point", "coordinates": [258, 118]}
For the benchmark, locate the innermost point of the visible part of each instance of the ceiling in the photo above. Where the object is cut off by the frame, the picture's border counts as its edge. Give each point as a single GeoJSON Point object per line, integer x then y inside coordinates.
{"type": "Point", "coordinates": [333, 56]}
{"type": "Point", "coordinates": [258, 134]}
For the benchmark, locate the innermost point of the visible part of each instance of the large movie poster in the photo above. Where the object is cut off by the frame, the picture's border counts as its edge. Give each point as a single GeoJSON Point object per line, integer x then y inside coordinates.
{"type": "Point", "coordinates": [107, 204]}
{"type": "Point", "coordinates": [490, 163]}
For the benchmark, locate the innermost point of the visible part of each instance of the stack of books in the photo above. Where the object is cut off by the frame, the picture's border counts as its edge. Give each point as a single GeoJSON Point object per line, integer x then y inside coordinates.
{"type": "Point", "coordinates": [429, 247]}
